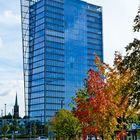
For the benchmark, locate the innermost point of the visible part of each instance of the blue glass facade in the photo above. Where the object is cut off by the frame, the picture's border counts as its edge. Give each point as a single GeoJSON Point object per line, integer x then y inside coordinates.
{"type": "Point", "coordinates": [63, 35]}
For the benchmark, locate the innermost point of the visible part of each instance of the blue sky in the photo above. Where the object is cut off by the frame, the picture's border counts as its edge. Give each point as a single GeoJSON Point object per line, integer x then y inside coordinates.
{"type": "Point", "coordinates": [11, 79]}
{"type": "Point", "coordinates": [118, 18]}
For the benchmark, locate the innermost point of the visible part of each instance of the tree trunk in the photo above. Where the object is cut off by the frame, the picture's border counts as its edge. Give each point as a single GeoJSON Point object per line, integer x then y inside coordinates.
{"type": "Point", "coordinates": [90, 137]}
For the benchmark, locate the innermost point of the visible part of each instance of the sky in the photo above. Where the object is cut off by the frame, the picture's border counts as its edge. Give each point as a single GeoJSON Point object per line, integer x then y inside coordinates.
{"type": "Point", "coordinates": [118, 18]}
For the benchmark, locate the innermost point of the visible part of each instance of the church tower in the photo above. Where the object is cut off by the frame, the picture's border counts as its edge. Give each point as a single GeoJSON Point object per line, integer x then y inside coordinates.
{"type": "Point", "coordinates": [16, 108]}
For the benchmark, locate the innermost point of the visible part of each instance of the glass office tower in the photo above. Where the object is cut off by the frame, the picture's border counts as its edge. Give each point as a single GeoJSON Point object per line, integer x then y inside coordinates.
{"type": "Point", "coordinates": [59, 39]}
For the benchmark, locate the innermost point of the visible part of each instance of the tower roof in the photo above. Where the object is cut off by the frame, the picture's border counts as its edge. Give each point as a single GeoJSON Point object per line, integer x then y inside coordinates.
{"type": "Point", "coordinates": [16, 101]}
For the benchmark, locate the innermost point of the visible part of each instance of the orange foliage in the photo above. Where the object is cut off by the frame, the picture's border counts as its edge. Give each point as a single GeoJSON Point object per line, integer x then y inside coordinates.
{"type": "Point", "coordinates": [106, 101]}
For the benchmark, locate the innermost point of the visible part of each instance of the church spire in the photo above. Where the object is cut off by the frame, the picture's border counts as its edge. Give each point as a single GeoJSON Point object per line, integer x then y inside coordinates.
{"type": "Point", "coordinates": [16, 108]}
{"type": "Point", "coordinates": [16, 101]}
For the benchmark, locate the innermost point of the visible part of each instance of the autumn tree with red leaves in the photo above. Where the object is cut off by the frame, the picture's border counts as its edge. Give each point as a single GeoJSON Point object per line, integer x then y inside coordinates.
{"type": "Point", "coordinates": [103, 106]}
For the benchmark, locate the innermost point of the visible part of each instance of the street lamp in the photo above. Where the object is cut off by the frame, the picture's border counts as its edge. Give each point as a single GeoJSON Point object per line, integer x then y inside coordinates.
{"type": "Point", "coordinates": [30, 133]}
{"type": "Point", "coordinates": [62, 102]}
{"type": "Point", "coordinates": [41, 124]}
{"type": "Point", "coordinates": [2, 118]}
{"type": "Point", "coordinates": [1, 113]}
{"type": "Point", "coordinates": [13, 124]}
{"type": "Point", "coordinates": [5, 110]}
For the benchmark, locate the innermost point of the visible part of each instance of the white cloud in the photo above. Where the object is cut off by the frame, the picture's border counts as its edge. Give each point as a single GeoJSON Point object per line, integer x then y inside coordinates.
{"type": "Point", "coordinates": [9, 18]}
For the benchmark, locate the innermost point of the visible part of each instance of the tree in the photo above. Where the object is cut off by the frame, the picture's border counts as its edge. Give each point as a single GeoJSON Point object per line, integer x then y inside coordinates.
{"type": "Point", "coordinates": [34, 129]}
{"type": "Point", "coordinates": [14, 125]}
{"type": "Point", "coordinates": [5, 128]}
{"type": "Point", "coordinates": [132, 61]}
{"type": "Point", "coordinates": [65, 126]}
{"type": "Point", "coordinates": [103, 106]}
{"type": "Point", "coordinates": [137, 21]}
{"type": "Point", "coordinates": [22, 129]}
{"type": "Point", "coordinates": [46, 128]}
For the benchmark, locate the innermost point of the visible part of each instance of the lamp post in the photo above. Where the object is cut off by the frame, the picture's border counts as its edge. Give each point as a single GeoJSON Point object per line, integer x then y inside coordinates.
{"type": "Point", "coordinates": [2, 118]}
{"type": "Point", "coordinates": [13, 124]}
{"type": "Point", "coordinates": [5, 110]}
{"type": "Point", "coordinates": [62, 100]}
{"type": "Point", "coordinates": [5, 118]}
{"type": "Point", "coordinates": [30, 133]}
{"type": "Point", "coordinates": [49, 129]}
{"type": "Point", "coordinates": [41, 125]}
{"type": "Point", "coordinates": [1, 113]}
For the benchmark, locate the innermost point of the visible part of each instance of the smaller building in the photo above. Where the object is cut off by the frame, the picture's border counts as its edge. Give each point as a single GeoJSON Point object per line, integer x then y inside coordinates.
{"type": "Point", "coordinates": [21, 125]}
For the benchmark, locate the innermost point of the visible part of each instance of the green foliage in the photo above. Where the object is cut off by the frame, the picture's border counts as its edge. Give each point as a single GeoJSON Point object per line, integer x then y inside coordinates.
{"type": "Point", "coordinates": [22, 129]}
{"type": "Point", "coordinates": [138, 119]}
{"type": "Point", "coordinates": [14, 126]}
{"type": "Point", "coordinates": [82, 95]}
{"type": "Point", "coordinates": [132, 61]}
{"type": "Point", "coordinates": [34, 129]}
{"type": "Point", "coordinates": [65, 126]}
{"type": "Point", "coordinates": [46, 129]}
{"type": "Point", "coordinates": [5, 128]}
{"type": "Point", "coordinates": [137, 21]}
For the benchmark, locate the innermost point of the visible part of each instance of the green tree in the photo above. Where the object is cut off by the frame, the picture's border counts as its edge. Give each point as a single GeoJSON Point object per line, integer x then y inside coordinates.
{"type": "Point", "coordinates": [132, 61]}
{"type": "Point", "coordinates": [65, 126]}
{"type": "Point", "coordinates": [46, 129]}
{"type": "Point", "coordinates": [14, 126]}
{"type": "Point", "coordinates": [22, 129]}
{"type": "Point", "coordinates": [137, 21]}
{"type": "Point", "coordinates": [5, 128]}
{"type": "Point", "coordinates": [34, 129]}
